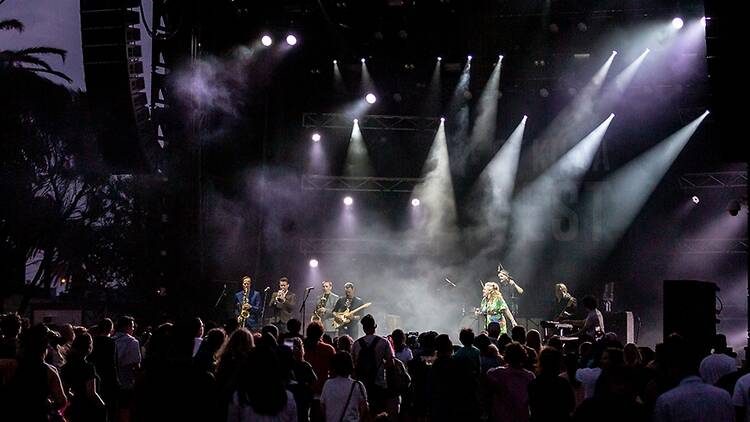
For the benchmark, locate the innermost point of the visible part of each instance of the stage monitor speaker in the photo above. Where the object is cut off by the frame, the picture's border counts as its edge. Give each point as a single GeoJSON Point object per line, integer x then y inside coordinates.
{"type": "Point", "coordinates": [690, 310]}
{"type": "Point", "coordinates": [622, 324]}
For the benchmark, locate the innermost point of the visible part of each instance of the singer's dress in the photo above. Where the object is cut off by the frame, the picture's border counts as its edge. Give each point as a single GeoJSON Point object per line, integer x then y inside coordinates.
{"type": "Point", "coordinates": [494, 309]}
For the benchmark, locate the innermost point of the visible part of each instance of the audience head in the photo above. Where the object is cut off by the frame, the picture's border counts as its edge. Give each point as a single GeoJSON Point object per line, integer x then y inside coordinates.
{"type": "Point", "coordinates": [270, 329]}
{"type": "Point", "coordinates": [555, 343]}
{"type": "Point", "coordinates": [215, 339]}
{"type": "Point", "coordinates": [314, 332]}
{"type": "Point", "coordinates": [344, 343]}
{"type": "Point", "coordinates": [293, 326]}
{"type": "Point", "coordinates": [631, 355]}
{"type": "Point", "coordinates": [589, 302]}
{"type": "Point", "coordinates": [518, 334]}
{"type": "Point", "coordinates": [342, 364]}
{"type": "Point", "coordinates": [493, 329]}
{"type": "Point", "coordinates": [466, 337]}
{"type": "Point", "coordinates": [239, 345]}
{"type": "Point", "coordinates": [67, 333]}
{"type": "Point", "coordinates": [10, 325]}
{"type": "Point", "coordinates": [196, 327]}
{"type": "Point", "coordinates": [34, 342]}
{"type": "Point", "coordinates": [105, 327]}
{"type": "Point", "coordinates": [611, 358]}
{"type": "Point", "coordinates": [550, 361]}
{"type": "Point", "coordinates": [503, 341]}
{"type": "Point", "coordinates": [444, 345]}
{"type": "Point", "coordinates": [515, 354]}
{"type": "Point", "coordinates": [398, 337]}
{"type": "Point", "coordinates": [368, 324]}
{"type": "Point", "coordinates": [126, 324]}
{"type": "Point", "coordinates": [534, 340]}
{"type": "Point", "coordinates": [81, 346]}
{"type": "Point", "coordinates": [327, 339]}
{"type": "Point", "coordinates": [482, 342]}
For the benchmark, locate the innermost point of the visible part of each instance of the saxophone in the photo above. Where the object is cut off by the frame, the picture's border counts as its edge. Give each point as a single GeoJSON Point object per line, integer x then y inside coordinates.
{"type": "Point", "coordinates": [321, 304]}
{"type": "Point", "coordinates": [244, 309]}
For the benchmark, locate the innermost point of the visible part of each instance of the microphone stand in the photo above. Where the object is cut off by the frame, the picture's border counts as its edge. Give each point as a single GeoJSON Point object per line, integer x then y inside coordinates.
{"type": "Point", "coordinates": [221, 295]}
{"type": "Point", "coordinates": [302, 307]}
{"type": "Point", "coordinates": [263, 308]}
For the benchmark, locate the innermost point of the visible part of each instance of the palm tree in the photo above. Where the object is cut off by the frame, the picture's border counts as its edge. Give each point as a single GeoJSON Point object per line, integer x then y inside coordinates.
{"type": "Point", "coordinates": [26, 59]}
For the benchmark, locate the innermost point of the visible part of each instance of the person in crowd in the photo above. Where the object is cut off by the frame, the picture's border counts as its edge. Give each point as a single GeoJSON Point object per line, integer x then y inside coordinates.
{"type": "Point", "coordinates": [494, 331]}
{"type": "Point", "coordinates": [293, 329]}
{"type": "Point", "coordinates": [442, 399]}
{"type": "Point", "coordinates": [372, 354]}
{"type": "Point", "coordinates": [80, 378]}
{"type": "Point", "coordinates": [741, 398]}
{"type": "Point", "coordinates": [509, 386]}
{"type": "Point", "coordinates": [588, 376]}
{"type": "Point", "coordinates": [691, 399]}
{"type": "Point", "coordinates": [67, 334]}
{"type": "Point", "coordinates": [55, 355]}
{"type": "Point", "coordinates": [534, 340]}
{"type": "Point", "coordinates": [344, 343]}
{"type": "Point", "coordinates": [196, 327]}
{"type": "Point", "coordinates": [233, 354]}
{"type": "Point", "coordinates": [467, 362]}
{"type": "Point", "coordinates": [615, 396]}
{"type": "Point", "coordinates": [206, 358]}
{"type": "Point", "coordinates": [518, 334]}
{"type": "Point", "coordinates": [719, 363]}
{"type": "Point", "coordinates": [319, 354]}
{"type": "Point", "coordinates": [489, 356]}
{"type": "Point", "coordinates": [551, 397]}
{"type": "Point", "coordinates": [128, 355]}
{"type": "Point", "coordinates": [343, 398]}
{"type": "Point", "coordinates": [420, 370]}
{"type": "Point", "coordinates": [103, 358]}
{"type": "Point", "coordinates": [10, 328]}
{"type": "Point", "coordinates": [303, 378]}
{"type": "Point", "coordinates": [400, 349]}
{"type": "Point", "coordinates": [30, 389]}
{"type": "Point", "coordinates": [260, 395]}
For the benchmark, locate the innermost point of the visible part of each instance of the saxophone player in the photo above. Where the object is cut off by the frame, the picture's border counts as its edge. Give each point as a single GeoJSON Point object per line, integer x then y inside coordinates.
{"type": "Point", "coordinates": [324, 309]}
{"type": "Point", "coordinates": [248, 300]}
{"type": "Point", "coordinates": [282, 305]}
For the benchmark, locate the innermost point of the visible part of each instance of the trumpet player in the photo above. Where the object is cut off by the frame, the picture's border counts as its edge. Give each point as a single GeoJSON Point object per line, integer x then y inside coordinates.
{"type": "Point", "coordinates": [282, 305]}
{"type": "Point", "coordinates": [324, 308]}
{"type": "Point", "coordinates": [247, 304]}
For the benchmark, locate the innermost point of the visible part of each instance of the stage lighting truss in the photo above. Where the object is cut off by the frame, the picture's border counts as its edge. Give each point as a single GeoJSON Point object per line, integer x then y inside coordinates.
{"type": "Point", "coordinates": [729, 246]}
{"type": "Point", "coordinates": [716, 180]}
{"type": "Point", "coordinates": [360, 184]}
{"type": "Point", "coordinates": [379, 122]}
{"type": "Point", "coordinates": [361, 246]}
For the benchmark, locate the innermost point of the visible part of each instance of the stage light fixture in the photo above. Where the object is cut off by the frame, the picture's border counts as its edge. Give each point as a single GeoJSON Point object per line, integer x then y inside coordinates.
{"type": "Point", "coordinates": [469, 58]}
{"type": "Point", "coordinates": [442, 120]}
{"type": "Point", "coordinates": [291, 39]}
{"type": "Point", "coordinates": [370, 98]}
{"type": "Point", "coordinates": [677, 23]}
{"type": "Point", "coordinates": [439, 58]}
{"type": "Point", "coordinates": [316, 137]}
{"type": "Point", "coordinates": [696, 199]}
{"type": "Point", "coordinates": [335, 62]}
{"type": "Point", "coordinates": [614, 52]}
{"type": "Point", "coordinates": [415, 202]}
{"type": "Point", "coordinates": [362, 60]}
{"type": "Point", "coordinates": [313, 263]}
{"type": "Point", "coordinates": [266, 40]}
{"type": "Point", "coordinates": [348, 201]}
{"type": "Point", "coordinates": [356, 121]}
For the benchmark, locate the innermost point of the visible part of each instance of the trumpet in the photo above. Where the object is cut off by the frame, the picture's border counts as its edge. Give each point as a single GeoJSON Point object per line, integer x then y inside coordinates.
{"type": "Point", "coordinates": [281, 296]}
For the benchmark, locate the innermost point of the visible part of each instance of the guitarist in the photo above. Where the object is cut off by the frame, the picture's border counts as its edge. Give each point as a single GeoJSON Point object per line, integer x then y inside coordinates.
{"type": "Point", "coordinates": [347, 303]}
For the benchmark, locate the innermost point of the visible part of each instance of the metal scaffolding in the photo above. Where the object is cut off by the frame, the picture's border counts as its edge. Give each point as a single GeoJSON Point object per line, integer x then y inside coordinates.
{"type": "Point", "coordinates": [713, 246]}
{"type": "Point", "coordinates": [379, 122]}
{"type": "Point", "coordinates": [360, 184]}
{"type": "Point", "coordinates": [715, 180]}
{"type": "Point", "coordinates": [362, 246]}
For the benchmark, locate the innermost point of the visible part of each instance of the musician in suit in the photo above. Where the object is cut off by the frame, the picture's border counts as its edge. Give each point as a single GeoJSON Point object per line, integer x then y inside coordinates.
{"type": "Point", "coordinates": [282, 305]}
{"type": "Point", "coordinates": [349, 302]}
{"type": "Point", "coordinates": [324, 308]}
{"type": "Point", "coordinates": [253, 300]}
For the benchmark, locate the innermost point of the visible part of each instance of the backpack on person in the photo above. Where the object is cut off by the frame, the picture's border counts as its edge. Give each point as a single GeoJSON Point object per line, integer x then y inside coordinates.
{"type": "Point", "coordinates": [397, 379]}
{"type": "Point", "coordinates": [366, 369]}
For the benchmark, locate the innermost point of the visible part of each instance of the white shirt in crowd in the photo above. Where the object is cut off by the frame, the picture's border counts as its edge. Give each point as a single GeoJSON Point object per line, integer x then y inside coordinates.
{"type": "Point", "coordinates": [588, 377]}
{"type": "Point", "coordinates": [335, 392]}
{"type": "Point", "coordinates": [405, 355]}
{"type": "Point", "coordinates": [741, 396]}
{"type": "Point", "coordinates": [694, 401]}
{"type": "Point", "coordinates": [128, 354]}
{"type": "Point", "coordinates": [716, 366]}
{"type": "Point", "coordinates": [383, 350]}
{"type": "Point", "coordinates": [238, 412]}
{"type": "Point", "coordinates": [196, 345]}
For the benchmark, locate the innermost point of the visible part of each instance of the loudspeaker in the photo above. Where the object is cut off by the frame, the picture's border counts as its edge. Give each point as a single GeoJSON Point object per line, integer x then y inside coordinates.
{"type": "Point", "coordinates": [690, 310]}
{"type": "Point", "coordinates": [114, 82]}
{"type": "Point", "coordinates": [622, 324]}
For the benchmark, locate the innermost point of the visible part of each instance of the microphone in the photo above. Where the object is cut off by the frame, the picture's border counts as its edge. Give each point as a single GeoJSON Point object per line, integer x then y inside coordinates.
{"type": "Point", "coordinates": [450, 282]}
{"type": "Point", "coordinates": [310, 288]}
{"type": "Point", "coordinates": [266, 289]}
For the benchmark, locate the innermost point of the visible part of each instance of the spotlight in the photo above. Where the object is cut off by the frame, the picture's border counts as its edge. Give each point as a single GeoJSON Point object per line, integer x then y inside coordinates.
{"type": "Point", "coordinates": [356, 121]}
{"type": "Point", "coordinates": [614, 52]}
{"type": "Point", "coordinates": [348, 201]}
{"type": "Point", "coordinates": [703, 21]}
{"type": "Point", "coordinates": [362, 60]}
{"type": "Point", "coordinates": [370, 98]}
{"type": "Point", "coordinates": [335, 62]}
{"type": "Point", "coordinates": [500, 57]}
{"type": "Point", "coordinates": [677, 23]}
{"type": "Point", "coordinates": [469, 58]}
{"type": "Point", "coordinates": [440, 58]}
{"type": "Point", "coordinates": [316, 137]}
{"type": "Point", "coordinates": [525, 117]}
{"type": "Point", "coordinates": [415, 202]}
{"type": "Point", "coordinates": [544, 93]}
{"type": "Point", "coordinates": [266, 40]}
{"type": "Point", "coordinates": [291, 39]}
{"type": "Point", "coordinates": [442, 120]}
{"type": "Point", "coordinates": [313, 263]}
{"type": "Point", "coordinates": [696, 199]}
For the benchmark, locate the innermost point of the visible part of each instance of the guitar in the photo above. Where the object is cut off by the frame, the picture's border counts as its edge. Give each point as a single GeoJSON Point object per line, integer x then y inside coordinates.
{"type": "Point", "coordinates": [342, 318]}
